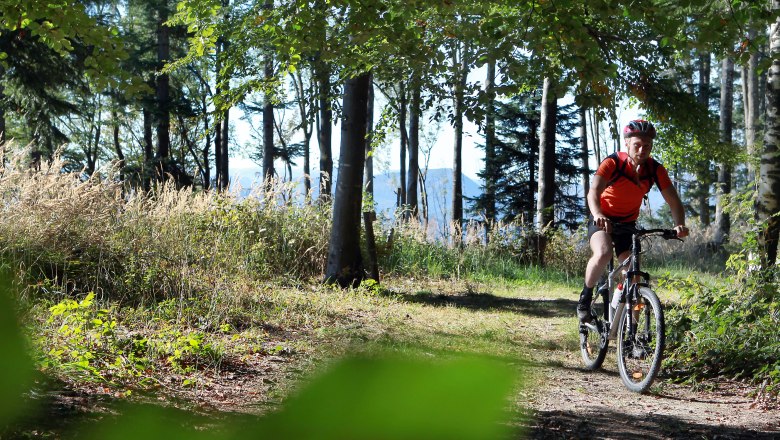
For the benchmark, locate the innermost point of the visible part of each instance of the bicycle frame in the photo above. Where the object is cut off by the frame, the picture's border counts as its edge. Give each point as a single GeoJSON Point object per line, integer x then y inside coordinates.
{"type": "Point", "coordinates": [634, 278]}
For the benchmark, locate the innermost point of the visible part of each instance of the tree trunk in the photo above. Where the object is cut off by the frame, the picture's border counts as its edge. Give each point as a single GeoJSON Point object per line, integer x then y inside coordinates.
{"type": "Point", "coordinates": [217, 120]}
{"type": "Point", "coordinates": [324, 130]}
{"type": "Point", "coordinates": [218, 153]}
{"type": "Point", "coordinates": [533, 160]}
{"type": "Point", "coordinates": [268, 124]}
{"type": "Point", "coordinates": [722, 220]}
{"type": "Point", "coordinates": [750, 88]}
{"type": "Point", "coordinates": [546, 182]}
{"type": "Point", "coordinates": [368, 179]}
{"type": "Point", "coordinates": [224, 169]}
{"type": "Point", "coordinates": [206, 146]}
{"type": "Point", "coordinates": [120, 156]}
{"type": "Point", "coordinates": [414, 151]}
{"type": "Point", "coordinates": [703, 172]}
{"type": "Point", "coordinates": [584, 156]}
{"type": "Point", "coordinates": [594, 133]}
{"type": "Point", "coordinates": [768, 197]}
{"type": "Point", "coordinates": [490, 145]}
{"type": "Point", "coordinates": [163, 95]}
{"type": "Point", "coordinates": [460, 65]}
{"type": "Point", "coordinates": [92, 153]}
{"type": "Point", "coordinates": [404, 142]}
{"type": "Point", "coordinates": [345, 265]}
{"type": "Point", "coordinates": [306, 152]}
{"type": "Point", "coordinates": [148, 169]}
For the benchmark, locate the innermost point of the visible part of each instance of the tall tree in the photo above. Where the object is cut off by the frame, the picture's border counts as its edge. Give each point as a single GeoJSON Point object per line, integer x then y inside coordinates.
{"type": "Point", "coordinates": [546, 186]}
{"type": "Point", "coordinates": [460, 65]}
{"type": "Point", "coordinates": [584, 156]}
{"type": "Point", "coordinates": [722, 220]}
{"type": "Point", "coordinates": [402, 119]}
{"type": "Point", "coordinates": [163, 93]}
{"type": "Point", "coordinates": [768, 197]}
{"type": "Point", "coordinates": [751, 100]}
{"type": "Point", "coordinates": [490, 144]}
{"type": "Point", "coordinates": [268, 119]}
{"type": "Point", "coordinates": [345, 265]}
{"type": "Point", "coordinates": [514, 163]}
{"type": "Point", "coordinates": [304, 99]}
{"type": "Point", "coordinates": [324, 128]}
{"type": "Point", "coordinates": [414, 149]}
{"type": "Point", "coordinates": [368, 180]}
{"type": "Point", "coordinates": [703, 167]}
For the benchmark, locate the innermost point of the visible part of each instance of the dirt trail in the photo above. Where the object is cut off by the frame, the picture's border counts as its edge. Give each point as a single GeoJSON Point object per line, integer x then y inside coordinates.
{"type": "Point", "coordinates": [575, 403]}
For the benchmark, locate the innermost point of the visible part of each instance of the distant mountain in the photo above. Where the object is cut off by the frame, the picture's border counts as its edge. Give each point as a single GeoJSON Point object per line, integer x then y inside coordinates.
{"type": "Point", "coordinates": [438, 186]}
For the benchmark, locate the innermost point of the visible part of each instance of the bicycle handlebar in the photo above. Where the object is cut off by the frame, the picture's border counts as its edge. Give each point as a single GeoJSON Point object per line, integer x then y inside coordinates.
{"type": "Point", "coordinates": [666, 234]}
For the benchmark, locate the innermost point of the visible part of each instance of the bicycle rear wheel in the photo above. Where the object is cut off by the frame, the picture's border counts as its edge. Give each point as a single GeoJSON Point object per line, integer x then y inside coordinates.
{"type": "Point", "coordinates": [640, 349]}
{"type": "Point", "coordinates": [593, 335]}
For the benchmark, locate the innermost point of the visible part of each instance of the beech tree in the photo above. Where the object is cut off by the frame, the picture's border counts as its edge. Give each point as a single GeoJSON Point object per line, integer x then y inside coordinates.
{"type": "Point", "coordinates": [768, 197]}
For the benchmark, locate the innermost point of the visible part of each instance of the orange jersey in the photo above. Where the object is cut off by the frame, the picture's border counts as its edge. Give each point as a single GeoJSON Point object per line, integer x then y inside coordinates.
{"type": "Point", "coordinates": [622, 199]}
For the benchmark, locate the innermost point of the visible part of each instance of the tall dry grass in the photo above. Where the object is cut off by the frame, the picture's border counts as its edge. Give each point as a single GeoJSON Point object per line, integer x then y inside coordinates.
{"type": "Point", "coordinates": [63, 232]}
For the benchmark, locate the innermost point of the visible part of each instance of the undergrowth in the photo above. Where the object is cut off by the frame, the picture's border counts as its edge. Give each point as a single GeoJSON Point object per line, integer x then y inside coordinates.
{"type": "Point", "coordinates": [725, 329]}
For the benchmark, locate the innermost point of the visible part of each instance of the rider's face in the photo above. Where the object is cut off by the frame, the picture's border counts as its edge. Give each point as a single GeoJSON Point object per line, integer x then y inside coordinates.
{"type": "Point", "coordinates": [639, 148]}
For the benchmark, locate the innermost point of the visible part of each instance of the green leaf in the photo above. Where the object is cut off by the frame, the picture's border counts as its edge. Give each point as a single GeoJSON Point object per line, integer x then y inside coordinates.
{"type": "Point", "coordinates": [395, 398]}
{"type": "Point", "coordinates": [16, 368]}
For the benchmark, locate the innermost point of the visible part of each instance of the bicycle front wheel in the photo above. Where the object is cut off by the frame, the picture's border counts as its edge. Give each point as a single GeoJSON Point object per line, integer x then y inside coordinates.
{"type": "Point", "coordinates": [641, 343]}
{"type": "Point", "coordinates": [593, 335]}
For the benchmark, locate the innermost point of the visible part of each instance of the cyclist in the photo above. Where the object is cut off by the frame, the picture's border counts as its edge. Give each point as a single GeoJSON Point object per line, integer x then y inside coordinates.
{"type": "Point", "coordinates": [621, 182]}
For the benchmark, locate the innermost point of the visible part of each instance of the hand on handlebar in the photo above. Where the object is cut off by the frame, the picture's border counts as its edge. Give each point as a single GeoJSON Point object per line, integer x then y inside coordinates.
{"type": "Point", "coordinates": [604, 224]}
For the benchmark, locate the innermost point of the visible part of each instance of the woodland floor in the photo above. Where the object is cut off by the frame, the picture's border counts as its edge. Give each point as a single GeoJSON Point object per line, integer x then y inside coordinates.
{"type": "Point", "coordinates": [562, 400]}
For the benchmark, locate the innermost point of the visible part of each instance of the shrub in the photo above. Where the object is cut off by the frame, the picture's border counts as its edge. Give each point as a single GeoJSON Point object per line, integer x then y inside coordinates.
{"type": "Point", "coordinates": [729, 329]}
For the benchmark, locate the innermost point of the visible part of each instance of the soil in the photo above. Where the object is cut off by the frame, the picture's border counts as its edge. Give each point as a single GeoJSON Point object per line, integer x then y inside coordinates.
{"type": "Point", "coordinates": [571, 402]}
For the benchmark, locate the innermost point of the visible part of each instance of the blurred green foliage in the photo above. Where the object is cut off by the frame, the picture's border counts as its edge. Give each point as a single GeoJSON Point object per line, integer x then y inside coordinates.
{"type": "Point", "coordinates": [16, 367]}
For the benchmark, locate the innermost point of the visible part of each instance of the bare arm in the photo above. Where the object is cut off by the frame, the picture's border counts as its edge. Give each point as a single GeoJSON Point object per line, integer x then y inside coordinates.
{"type": "Point", "coordinates": [678, 212]}
{"type": "Point", "coordinates": [597, 186]}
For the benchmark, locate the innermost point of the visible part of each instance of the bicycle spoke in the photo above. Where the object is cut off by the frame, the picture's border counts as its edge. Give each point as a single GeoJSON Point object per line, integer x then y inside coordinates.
{"type": "Point", "coordinates": [593, 342]}
{"type": "Point", "coordinates": [641, 346]}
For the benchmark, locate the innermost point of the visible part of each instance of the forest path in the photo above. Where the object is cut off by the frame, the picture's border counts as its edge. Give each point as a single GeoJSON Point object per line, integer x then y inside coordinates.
{"type": "Point", "coordinates": [569, 402]}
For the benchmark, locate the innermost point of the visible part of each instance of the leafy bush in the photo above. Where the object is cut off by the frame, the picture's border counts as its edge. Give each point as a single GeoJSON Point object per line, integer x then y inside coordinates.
{"type": "Point", "coordinates": [89, 343]}
{"type": "Point", "coordinates": [725, 330]}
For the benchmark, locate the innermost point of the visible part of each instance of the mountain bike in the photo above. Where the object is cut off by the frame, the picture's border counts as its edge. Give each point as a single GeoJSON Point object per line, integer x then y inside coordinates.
{"type": "Point", "coordinates": [630, 313]}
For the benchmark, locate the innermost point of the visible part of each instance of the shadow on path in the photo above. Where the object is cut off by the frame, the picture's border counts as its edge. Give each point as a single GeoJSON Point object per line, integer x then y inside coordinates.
{"type": "Point", "coordinates": [611, 424]}
{"type": "Point", "coordinates": [541, 308]}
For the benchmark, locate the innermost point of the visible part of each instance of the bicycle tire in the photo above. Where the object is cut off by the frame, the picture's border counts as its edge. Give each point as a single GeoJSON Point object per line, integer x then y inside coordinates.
{"type": "Point", "coordinates": [593, 336]}
{"type": "Point", "coordinates": [639, 360]}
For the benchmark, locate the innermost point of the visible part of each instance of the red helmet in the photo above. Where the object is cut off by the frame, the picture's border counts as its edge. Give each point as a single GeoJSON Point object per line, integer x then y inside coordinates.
{"type": "Point", "coordinates": [639, 127]}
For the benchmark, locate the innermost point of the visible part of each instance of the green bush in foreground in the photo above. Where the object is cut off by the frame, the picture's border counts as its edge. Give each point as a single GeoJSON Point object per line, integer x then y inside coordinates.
{"type": "Point", "coordinates": [729, 330]}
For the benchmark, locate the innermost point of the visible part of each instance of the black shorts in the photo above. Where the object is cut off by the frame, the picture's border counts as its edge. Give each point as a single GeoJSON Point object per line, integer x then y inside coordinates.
{"type": "Point", "coordinates": [622, 242]}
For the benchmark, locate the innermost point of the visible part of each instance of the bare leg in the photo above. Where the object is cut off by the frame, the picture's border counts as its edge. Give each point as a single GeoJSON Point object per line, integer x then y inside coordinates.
{"type": "Point", "coordinates": [601, 246]}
